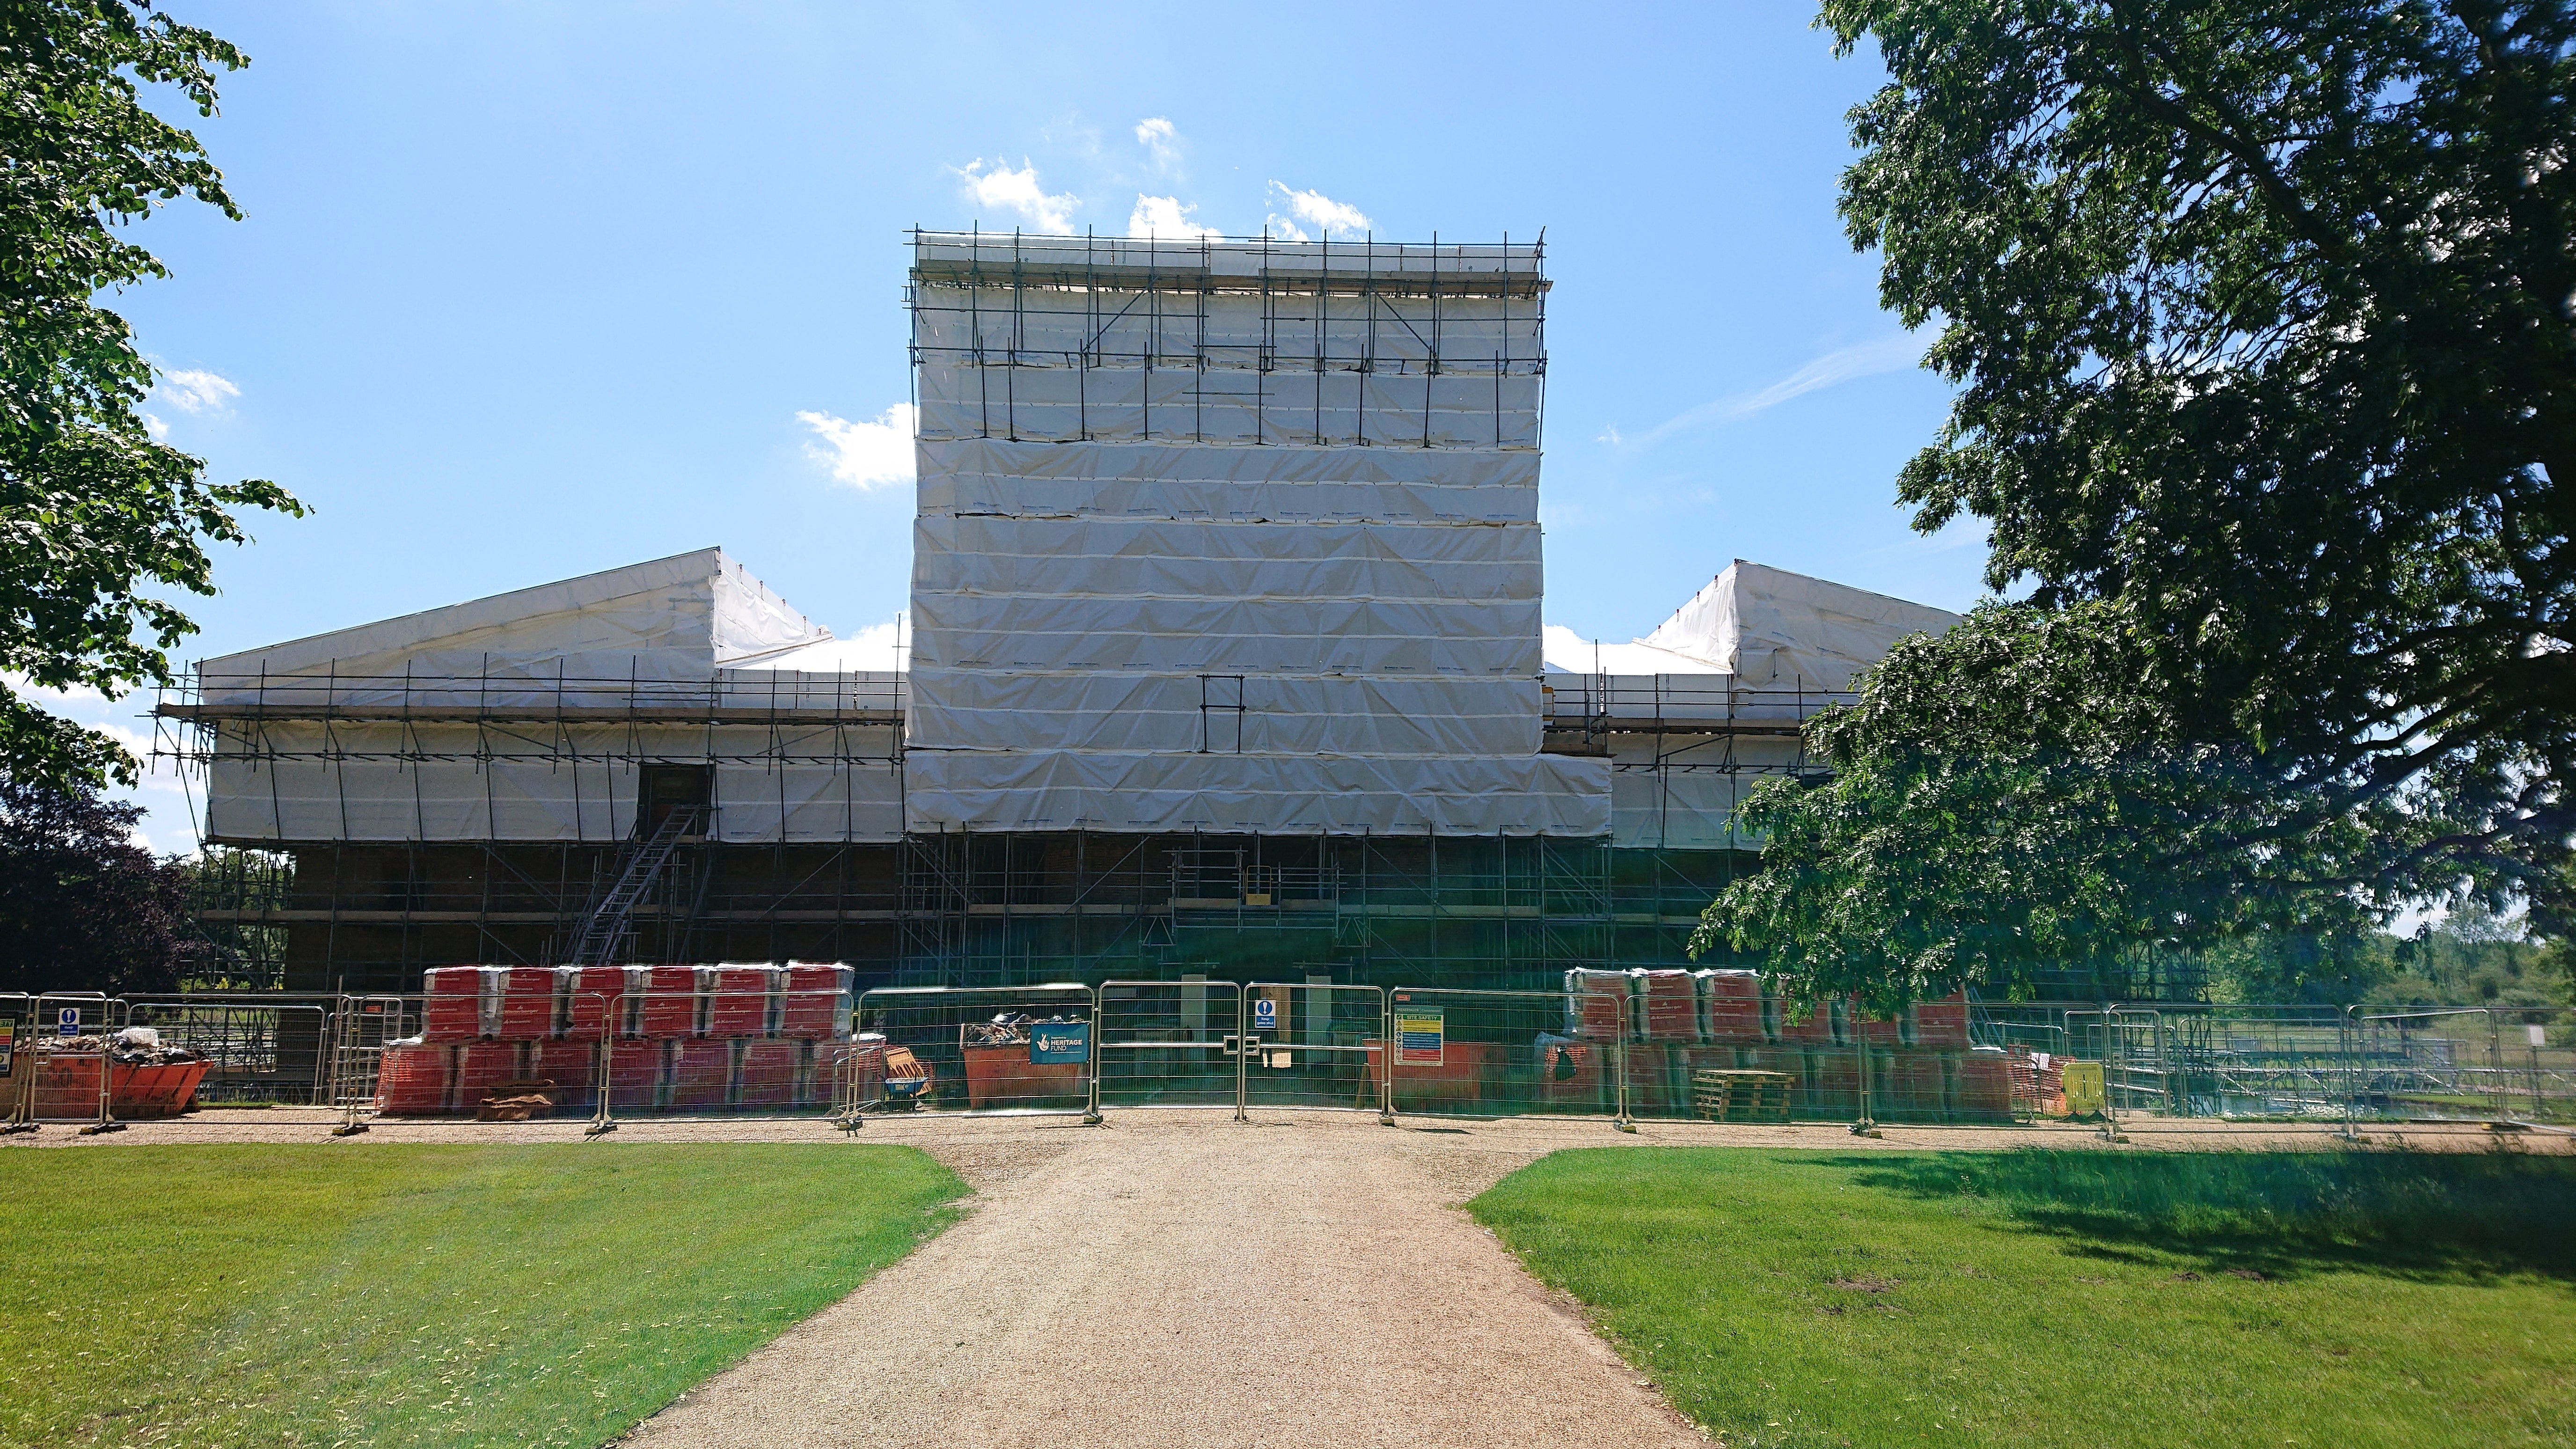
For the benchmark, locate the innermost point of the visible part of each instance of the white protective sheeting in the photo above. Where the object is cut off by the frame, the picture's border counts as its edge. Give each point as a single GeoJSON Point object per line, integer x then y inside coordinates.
{"type": "Point", "coordinates": [1280, 484]}
{"type": "Point", "coordinates": [1270, 794]}
{"type": "Point", "coordinates": [1775, 629]}
{"type": "Point", "coordinates": [1200, 552]}
{"type": "Point", "coordinates": [387, 781]}
{"type": "Point", "coordinates": [1688, 800]}
{"type": "Point", "coordinates": [588, 641]}
{"type": "Point", "coordinates": [1217, 405]}
{"type": "Point", "coordinates": [1264, 713]}
{"type": "Point", "coordinates": [530, 713]}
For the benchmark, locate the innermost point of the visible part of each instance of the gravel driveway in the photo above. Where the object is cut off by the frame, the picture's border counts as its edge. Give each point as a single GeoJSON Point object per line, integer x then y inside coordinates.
{"type": "Point", "coordinates": [1172, 1280]}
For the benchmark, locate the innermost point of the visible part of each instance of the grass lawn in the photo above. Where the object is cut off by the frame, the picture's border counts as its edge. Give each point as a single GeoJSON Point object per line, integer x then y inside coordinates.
{"type": "Point", "coordinates": [2073, 1297]}
{"type": "Point", "coordinates": [391, 1295]}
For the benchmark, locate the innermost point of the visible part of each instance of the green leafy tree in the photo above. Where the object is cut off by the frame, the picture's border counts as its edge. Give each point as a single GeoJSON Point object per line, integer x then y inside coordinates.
{"type": "Point", "coordinates": [2260, 320]}
{"type": "Point", "coordinates": [97, 519]}
{"type": "Point", "coordinates": [82, 907]}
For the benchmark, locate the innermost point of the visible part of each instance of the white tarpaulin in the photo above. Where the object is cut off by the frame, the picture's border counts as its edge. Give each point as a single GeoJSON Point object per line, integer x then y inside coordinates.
{"type": "Point", "coordinates": [1773, 629]}
{"type": "Point", "coordinates": [1687, 800]}
{"type": "Point", "coordinates": [593, 640]}
{"type": "Point", "coordinates": [1284, 578]}
{"type": "Point", "coordinates": [1369, 485]}
{"type": "Point", "coordinates": [1271, 794]}
{"type": "Point", "coordinates": [527, 717]}
{"type": "Point", "coordinates": [348, 780]}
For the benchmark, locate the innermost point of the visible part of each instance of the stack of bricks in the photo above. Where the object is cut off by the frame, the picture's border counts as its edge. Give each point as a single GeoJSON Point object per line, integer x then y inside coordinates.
{"type": "Point", "coordinates": [680, 1038]}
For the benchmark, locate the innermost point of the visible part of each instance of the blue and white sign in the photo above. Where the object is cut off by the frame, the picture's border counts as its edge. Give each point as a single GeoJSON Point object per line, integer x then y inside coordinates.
{"type": "Point", "coordinates": [1265, 1016]}
{"type": "Point", "coordinates": [1060, 1041]}
{"type": "Point", "coordinates": [67, 1021]}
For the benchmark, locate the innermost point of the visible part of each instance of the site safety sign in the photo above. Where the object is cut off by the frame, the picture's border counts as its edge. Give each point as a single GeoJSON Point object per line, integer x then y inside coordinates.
{"type": "Point", "coordinates": [1420, 1036]}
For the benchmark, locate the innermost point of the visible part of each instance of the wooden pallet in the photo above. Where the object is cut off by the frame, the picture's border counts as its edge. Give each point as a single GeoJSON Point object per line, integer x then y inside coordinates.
{"type": "Point", "coordinates": [1721, 1094]}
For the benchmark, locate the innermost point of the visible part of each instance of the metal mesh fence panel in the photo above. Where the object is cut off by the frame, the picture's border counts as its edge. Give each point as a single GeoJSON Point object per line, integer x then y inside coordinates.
{"type": "Point", "coordinates": [981, 1049]}
{"type": "Point", "coordinates": [1309, 1045]}
{"type": "Point", "coordinates": [1170, 1043]}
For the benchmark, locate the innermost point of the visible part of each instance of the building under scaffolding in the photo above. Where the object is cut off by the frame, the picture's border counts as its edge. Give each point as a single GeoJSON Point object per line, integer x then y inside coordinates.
{"type": "Point", "coordinates": [1226, 656]}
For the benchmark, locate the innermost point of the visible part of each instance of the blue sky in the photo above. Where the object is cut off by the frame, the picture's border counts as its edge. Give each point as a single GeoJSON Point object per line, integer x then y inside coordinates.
{"type": "Point", "coordinates": [527, 291]}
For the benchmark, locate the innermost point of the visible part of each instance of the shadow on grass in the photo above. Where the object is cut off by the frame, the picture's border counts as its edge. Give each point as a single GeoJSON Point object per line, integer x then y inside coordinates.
{"type": "Point", "coordinates": [2431, 1216]}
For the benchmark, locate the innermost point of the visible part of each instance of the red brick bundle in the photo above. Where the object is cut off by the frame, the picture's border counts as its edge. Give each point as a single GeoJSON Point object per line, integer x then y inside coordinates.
{"type": "Point", "coordinates": [1942, 1023]}
{"type": "Point", "coordinates": [740, 999]}
{"type": "Point", "coordinates": [594, 1002]}
{"type": "Point", "coordinates": [412, 1081]}
{"type": "Point", "coordinates": [816, 1005]}
{"type": "Point", "coordinates": [1730, 1007]}
{"type": "Point", "coordinates": [452, 1003]}
{"type": "Point", "coordinates": [573, 1066]}
{"type": "Point", "coordinates": [666, 1000]}
{"type": "Point", "coordinates": [1666, 1005]}
{"type": "Point", "coordinates": [1822, 1026]}
{"type": "Point", "coordinates": [1985, 1090]}
{"type": "Point", "coordinates": [701, 1069]}
{"type": "Point", "coordinates": [1596, 1005]}
{"type": "Point", "coordinates": [1654, 1086]}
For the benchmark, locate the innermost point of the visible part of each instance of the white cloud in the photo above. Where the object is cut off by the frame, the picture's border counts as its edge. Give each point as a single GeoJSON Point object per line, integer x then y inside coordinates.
{"type": "Point", "coordinates": [865, 455]}
{"type": "Point", "coordinates": [159, 430]}
{"type": "Point", "coordinates": [1009, 190]}
{"type": "Point", "coordinates": [878, 647]}
{"type": "Point", "coordinates": [1868, 359]}
{"type": "Point", "coordinates": [194, 390]}
{"type": "Point", "coordinates": [1159, 136]}
{"type": "Point", "coordinates": [1313, 208]}
{"type": "Point", "coordinates": [1164, 216]}
{"type": "Point", "coordinates": [1562, 648]}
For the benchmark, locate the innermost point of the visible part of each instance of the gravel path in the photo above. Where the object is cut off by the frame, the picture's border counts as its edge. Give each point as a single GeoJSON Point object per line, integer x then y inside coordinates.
{"type": "Point", "coordinates": [1172, 1281]}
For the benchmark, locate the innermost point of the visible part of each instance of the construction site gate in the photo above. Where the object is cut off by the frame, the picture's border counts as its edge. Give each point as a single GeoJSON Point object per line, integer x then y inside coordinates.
{"type": "Point", "coordinates": [1311, 1044]}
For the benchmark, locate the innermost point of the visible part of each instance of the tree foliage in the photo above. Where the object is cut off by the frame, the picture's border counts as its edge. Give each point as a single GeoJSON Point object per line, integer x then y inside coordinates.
{"type": "Point", "coordinates": [2260, 317]}
{"type": "Point", "coordinates": [82, 907]}
{"type": "Point", "coordinates": [96, 517]}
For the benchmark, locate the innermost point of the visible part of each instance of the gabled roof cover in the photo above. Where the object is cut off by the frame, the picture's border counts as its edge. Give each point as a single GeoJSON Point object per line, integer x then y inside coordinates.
{"type": "Point", "coordinates": [677, 618]}
{"type": "Point", "coordinates": [1768, 628]}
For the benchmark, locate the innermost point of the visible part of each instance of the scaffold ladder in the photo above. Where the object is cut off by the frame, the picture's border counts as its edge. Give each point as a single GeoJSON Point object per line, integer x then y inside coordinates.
{"type": "Point", "coordinates": [604, 925]}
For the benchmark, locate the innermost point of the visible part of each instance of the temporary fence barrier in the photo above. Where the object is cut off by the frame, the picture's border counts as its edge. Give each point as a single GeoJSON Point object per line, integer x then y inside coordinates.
{"type": "Point", "coordinates": [977, 1049]}
{"type": "Point", "coordinates": [2488, 1062]}
{"type": "Point", "coordinates": [1310, 1044]}
{"type": "Point", "coordinates": [1170, 1044]}
{"type": "Point", "coordinates": [62, 1072]}
{"type": "Point", "coordinates": [1463, 1052]}
{"type": "Point", "coordinates": [251, 1047]}
{"type": "Point", "coordinates": [612, 1042]}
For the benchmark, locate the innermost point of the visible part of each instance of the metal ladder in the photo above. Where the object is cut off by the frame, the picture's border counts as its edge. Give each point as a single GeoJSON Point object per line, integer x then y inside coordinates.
{"type": "Point", "coordinates": [605, 923]}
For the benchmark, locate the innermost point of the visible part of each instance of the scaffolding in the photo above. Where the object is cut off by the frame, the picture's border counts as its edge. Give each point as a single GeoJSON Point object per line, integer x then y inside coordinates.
{"type": "Point", "coordinates": [1037, 321]}
{"type": "Point", "coordinates": [436, 819]}
{"type": "Point", "coordinates": [935, 907]}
